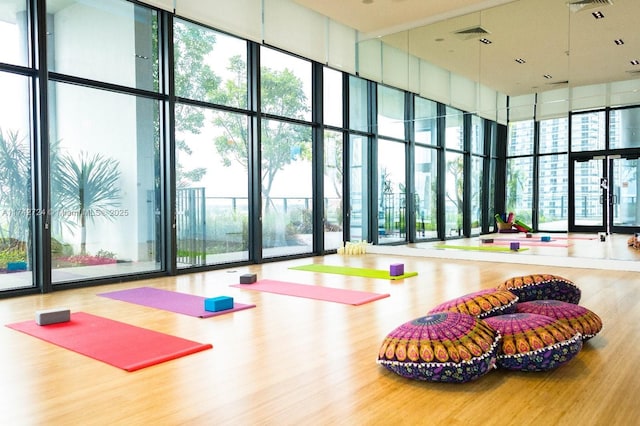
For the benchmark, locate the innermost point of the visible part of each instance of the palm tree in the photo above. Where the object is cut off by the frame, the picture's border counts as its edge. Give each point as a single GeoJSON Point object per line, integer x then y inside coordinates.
{"type": "Point", "coordinates": [87, 186]}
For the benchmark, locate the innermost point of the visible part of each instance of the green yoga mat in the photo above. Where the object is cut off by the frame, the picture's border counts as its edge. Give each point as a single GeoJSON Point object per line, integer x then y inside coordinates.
{"type": "Point", "coordinates": [357, 272]}
{"type": "Point", "coordinates": [478, 248]}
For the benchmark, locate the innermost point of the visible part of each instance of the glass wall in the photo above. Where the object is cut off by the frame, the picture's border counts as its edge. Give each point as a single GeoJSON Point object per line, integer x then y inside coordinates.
{"type": "Point", "coordinates": [145, 171]}
{"type": "Point", "coordinates": [392, 202]}
{"type": "Point", "coordinates": [211, 147]}
{"type": "Point", "coordinates": [333, 165]}
{"type": "Point", "coordinates": [359, 198]}
{"type": "Point", "coordinates": [286, 169]}
{"type": "Point", "coordinates": [519, 180]}
{"type": "Point", "coordinates": [16, 209]}
{"type": "Point", "coordinates": [477, 173]}
{"type": "Point", "coordinates": [105, 179]}
{"type": "Point", "coordinates": [553, 175]}
{"type": "Point", "coordinates": [454, 178]}
{"type": "Point", "coordinates": [426, 168]}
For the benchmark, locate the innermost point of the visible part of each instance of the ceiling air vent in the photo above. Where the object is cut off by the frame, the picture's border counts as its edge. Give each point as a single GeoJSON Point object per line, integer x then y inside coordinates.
{"type": "Point", "coordinates": [471, 33]}
{"type": "Point", "coordinates": [578, 5]}
{"type": "Point", "coordinates": [558, 83]}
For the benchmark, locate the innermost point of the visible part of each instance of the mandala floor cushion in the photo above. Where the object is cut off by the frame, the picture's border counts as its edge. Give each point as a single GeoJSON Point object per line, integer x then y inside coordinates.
{"type": "Point", "coordinates": [532, 342]}
{"type": "Point", "coordinates": [481, 304]}
{"type": "Point", "coordinates": [577, 317]}
{"type": "Point", "coordinates": [542, 287]}
{"type": "Point", "coordinates": [441, 347]}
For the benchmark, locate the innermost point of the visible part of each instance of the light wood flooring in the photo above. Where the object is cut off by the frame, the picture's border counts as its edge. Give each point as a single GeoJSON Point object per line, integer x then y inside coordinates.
{"type": "Point", "coordinates": [294, 361]}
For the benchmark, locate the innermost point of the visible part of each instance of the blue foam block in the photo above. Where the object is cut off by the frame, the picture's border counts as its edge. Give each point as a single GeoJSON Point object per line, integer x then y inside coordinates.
{"type": "Point", "coordinates": [545, 238]}
{"type": "Point", "coordinates": [16, 266]}
{"type": "Point", "coordinates": [220, 303]}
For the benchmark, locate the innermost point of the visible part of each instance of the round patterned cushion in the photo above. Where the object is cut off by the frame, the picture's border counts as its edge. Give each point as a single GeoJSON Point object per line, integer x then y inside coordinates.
{"type": "Point", "coordinates": [441, 347]}
{"type": "Point", "coordinates": [542, 287]}
{"type": "Point", "coordinates": [577, 317]}
{"type": "Point", "coordinates": [532, 342]}
{"type": "Point", "coordinates": [481, 304]}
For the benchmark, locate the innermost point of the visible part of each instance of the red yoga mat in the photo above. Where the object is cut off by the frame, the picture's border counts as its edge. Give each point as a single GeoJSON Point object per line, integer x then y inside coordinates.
{"type": "Point", "coordinates": [122, 345]}
{"type": "Point", "coordinates": [329, 294]}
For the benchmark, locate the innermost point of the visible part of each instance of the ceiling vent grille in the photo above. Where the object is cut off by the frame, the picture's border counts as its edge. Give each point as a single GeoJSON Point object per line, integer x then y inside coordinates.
{"type": "Point", "coordinates": [578, 5]}
{"type": "Point", "coordinates": [471, 33]}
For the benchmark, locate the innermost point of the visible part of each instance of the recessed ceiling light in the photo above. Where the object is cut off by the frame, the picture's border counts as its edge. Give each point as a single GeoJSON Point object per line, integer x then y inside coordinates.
{"type": "Point", "coordinates": [547, 76]}
{"type": "Point", "coordinates": [485, 41]}
{"type": "Point", "coordinates": [520, 60]}
{"type": "Point", "coordinates": [598, 15]}
{"type": "Point", "coordinates": [635, 62]}
{"type": "Point", "coordinates": [619, 41]}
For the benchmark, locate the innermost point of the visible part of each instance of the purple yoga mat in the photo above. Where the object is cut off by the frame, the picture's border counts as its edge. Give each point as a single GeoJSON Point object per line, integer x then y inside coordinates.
{"type": "Point", "coordinates": [181, 303]}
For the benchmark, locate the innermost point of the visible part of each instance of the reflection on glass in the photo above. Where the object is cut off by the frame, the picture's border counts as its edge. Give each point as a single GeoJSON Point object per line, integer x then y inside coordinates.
{"type": "Point", "coordinates": [392, 202]}
{"type": "Point", "coordinates": [477, 135]}
{"type": "Point", "coordinates": [333, 181]}
{"type": "Point", "coordinates": [553, 192]}
{"type": "Point", "coordinates": [105, 195]}
{"type": "Point", "coordinates": [13, 33]}
{"type": "Point", "coordinates": [554, 135]}
{"type": "Point", "coordinates": [454, 195]}
{"type": "Point", "coordinates": [588, 206]}
{"type": "Point", "coordinates": [287, 190]}
{"type": "Point", "coordinates": [588, 131]}
{"type": "Point", "coordinates": [285, 85]}
{"type": "Point", "coordinates": [390, 112]}
{"type": "Point", "coordinates": [359, 189]}
{"type": "Point", "coordinates": [520, 188]}
{"type": "Point", "coordinates": [426, 178]}
{"type": "Point", "coordinates": [520, 140]}
{"type": "Point", "coordinates": [624, 128]}
{"type": "Point", "coordinates": [626, 210]}
{"type": "Point", "coordinates": [209, 66]}
{"type": "Point", "coordinates": [454, 135]}
{"type": "Point", "coordinates": [106, 40]}
{"type": "Point", "coordinates": [425, 122]}
{"type": "Point", "coordinates": [16, 211]}
{"type": "Point", "coordinates": [212, 189]}
{"type": "Point", "coordinates": [477, 169]}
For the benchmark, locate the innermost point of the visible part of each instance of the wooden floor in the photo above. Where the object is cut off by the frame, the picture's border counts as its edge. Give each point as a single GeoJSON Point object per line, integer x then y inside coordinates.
{"type": "Point", "coordinates": [294, 361]}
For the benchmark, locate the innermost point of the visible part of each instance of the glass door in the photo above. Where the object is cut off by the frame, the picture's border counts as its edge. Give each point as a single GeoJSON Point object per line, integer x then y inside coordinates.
{"type": "Point", "coordinates": [589, 187]}
{"type": "Point", "coordinates": [624, 194]}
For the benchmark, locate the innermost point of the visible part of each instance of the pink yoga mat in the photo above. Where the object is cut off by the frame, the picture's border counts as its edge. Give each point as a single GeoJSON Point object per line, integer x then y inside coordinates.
{"type": "Point", "coordinates": [329, 294]}
{"type": "Point", "coordinates": [181, 303]}
{"type": "Point", "coordinates": [116, 343]}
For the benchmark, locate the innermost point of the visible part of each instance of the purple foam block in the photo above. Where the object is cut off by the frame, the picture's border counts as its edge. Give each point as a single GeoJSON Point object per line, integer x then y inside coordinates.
{"type": "Point", "coordinates": [396, 269]}
{"type": "Point", "coordinates": [515, 245]}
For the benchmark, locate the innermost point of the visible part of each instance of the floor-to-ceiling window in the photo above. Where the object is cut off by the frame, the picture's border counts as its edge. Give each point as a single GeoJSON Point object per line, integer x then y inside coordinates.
{"type": "Point", "coordinates": [454, 169]}
{"type": "Point", "coordinates": [359, 161]}
{"type": "Point", "coordinates": [333, 172]}
{"type": "Point", "coordinates": [553, 175]}
{"type": "Point", "coordinates": [391, 171]}
{"type": "Point", "coordinates": [104, 144]}
{"type": "Point", "coordinates": [477, 172]}
{"type": "Point", "coordinates": [285, 150]}
{"type": "Point", "coordinates": [519, 180]}
{"type": "Point", "coordinates": [426, 168]}
{"type": "Point", "coordinates": [211, 146]}
{"type": "Point", "coordinates": [16, 209]}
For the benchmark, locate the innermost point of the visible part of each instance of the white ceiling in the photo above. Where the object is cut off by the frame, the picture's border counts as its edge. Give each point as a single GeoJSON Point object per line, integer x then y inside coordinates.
{"type": "Point", "coordinates": [572, 48]}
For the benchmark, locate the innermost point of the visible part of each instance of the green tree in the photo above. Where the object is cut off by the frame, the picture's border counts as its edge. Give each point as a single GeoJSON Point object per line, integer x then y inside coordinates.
{"type": "Point", "coordinates": [15, 186]}
{"type": "Point", "coordinates": [194, 79]}
{"type": "Point", "coordinates": [86, 187]}
{"type": "Point", "coordinates": [281, 143]}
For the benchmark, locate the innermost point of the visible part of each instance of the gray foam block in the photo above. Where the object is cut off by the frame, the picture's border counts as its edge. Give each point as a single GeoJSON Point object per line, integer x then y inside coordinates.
{"type": "Point", "coordinates": [53, 316]}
